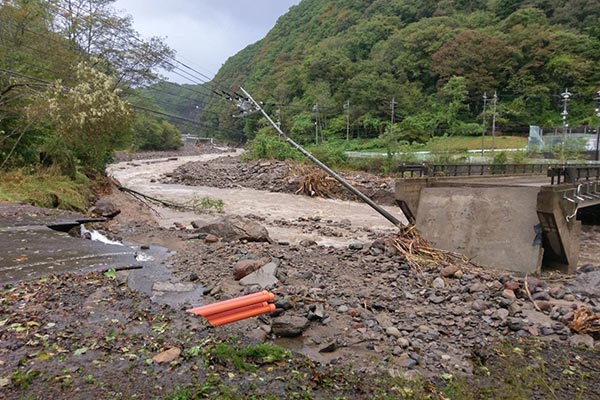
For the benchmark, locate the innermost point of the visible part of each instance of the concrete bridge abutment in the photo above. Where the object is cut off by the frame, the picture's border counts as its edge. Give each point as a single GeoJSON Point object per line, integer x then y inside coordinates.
{"type": "Point", "coordinates": [499, 225]}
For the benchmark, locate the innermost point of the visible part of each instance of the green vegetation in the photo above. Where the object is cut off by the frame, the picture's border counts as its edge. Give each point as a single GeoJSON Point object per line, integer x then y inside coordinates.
{"type": "Point", "coordinates": [151, 133]}
{"type": "Point", "coordinates": [62, 91]}
{"type": "Point", "coordinates": [45, 188]}
{"type": "Point", "coordinates": [248, 358]}
{"type": "Point", "coordinates": [517, 370]}
{"type": "Point", "coordinates": [270, 147]}
{"type": "Point", "coordinates": [206, 204]}
{"type": "Point", "coordinates": [435, 59]}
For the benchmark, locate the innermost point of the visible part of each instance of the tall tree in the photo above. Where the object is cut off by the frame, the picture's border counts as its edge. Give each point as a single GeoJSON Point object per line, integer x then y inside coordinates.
{"type": "Point", "coordinates": [94, 28]}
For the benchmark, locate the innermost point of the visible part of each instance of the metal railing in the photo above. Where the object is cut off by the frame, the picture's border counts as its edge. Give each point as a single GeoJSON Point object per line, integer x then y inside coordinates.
{"type": "Point", "coordinates": [573, 174]}
{"type": "Point", "coordinates": [430, 170]}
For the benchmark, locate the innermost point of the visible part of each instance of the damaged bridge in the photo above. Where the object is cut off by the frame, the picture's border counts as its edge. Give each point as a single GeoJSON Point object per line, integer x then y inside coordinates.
{"type": "Point", "coordinates": [521, 222]}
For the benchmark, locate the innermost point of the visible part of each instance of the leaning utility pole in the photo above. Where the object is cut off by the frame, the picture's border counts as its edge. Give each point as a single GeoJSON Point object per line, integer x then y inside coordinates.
{"type": "Point", "coordinates": [324, 167]}
{"type": "Point", "coordinates": [494, 104]}
{"type": "Point", "coordinates": [484, 125]}
{"type": "Point", "coordinates": [347, 108]}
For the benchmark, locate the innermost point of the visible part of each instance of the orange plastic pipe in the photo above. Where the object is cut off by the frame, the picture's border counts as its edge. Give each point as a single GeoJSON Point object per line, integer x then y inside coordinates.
{"type": "Point", "coordinates": [231, 304]}
{"type": "Point", "coordinates": [242, 315]}
{"type": "Point", "coordinates": [235, 311]}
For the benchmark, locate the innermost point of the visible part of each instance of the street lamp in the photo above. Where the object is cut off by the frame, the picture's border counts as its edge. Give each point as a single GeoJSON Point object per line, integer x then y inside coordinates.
{"type": "Point", "coordinates": [484, 125]}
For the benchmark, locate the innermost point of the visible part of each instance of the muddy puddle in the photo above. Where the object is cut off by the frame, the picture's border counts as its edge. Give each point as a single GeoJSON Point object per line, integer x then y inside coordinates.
{"type": "Point", "coordinates": [152, 274]}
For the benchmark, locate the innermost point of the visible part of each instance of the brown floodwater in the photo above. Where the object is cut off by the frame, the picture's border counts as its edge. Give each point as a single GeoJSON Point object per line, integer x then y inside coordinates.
{"type": "Point", "coordinates": [143, 176]}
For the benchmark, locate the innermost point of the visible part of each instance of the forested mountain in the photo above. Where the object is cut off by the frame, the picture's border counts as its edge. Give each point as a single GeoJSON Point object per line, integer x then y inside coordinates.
{"type": "Point", "coordinates": [185, 101]}
{"type": "Point", "coordinates": [433, 59]}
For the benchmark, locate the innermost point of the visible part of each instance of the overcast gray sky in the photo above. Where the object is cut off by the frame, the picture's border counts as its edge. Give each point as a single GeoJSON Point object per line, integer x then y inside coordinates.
{"type": "Point", "coordinates": [205, 32]}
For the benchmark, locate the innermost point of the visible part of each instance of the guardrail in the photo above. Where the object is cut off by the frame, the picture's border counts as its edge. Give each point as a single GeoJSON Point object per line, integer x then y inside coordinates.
{"type": "Point", "coordinates": [573, 174]}
{"type": "Point", "coordinates": [425, 169]}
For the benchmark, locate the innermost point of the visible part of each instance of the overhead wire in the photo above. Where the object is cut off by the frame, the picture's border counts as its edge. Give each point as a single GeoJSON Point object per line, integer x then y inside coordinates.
{"type": "Point", "coordinates": [203, 79]}
{"type": "Point", "coordinates": [185, 87]}
{"type": "Point", "coordinates": [138, 107]}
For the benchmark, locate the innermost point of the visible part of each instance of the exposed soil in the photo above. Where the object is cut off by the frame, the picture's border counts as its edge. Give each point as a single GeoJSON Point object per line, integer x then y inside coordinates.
{"type": "Point", "coordinates": [372, 320]}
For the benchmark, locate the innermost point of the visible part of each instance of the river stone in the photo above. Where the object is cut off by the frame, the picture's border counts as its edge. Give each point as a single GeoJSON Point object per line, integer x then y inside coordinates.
{"type": "Point", "coordinates": [438, 283]}
{"type": "Point", "coordinates": [167, 355]}
{"type": "Point", "coordinates": [234, 227]}
{"type": "Point", "coordinates": [383, 319]}
{"type": "Point", "coordinates": [449, 271]}
{"type": "Point", "coordinates": [355, 246]}
{"type": "Point", "coordinates": [289, 326]}
{"type": "Point", "coordinates": [479, 305]}
{"type": "Point", "coordinates": [264, 277]}
{"type": "Point", "coordinates": [245, 267]}
{"type": "Point", "coordinates": [509, 295]}
{"type": "Point", "coordinates": [393, 331]}
{"type": "Point", "coordinates": [105, 208]}
{"type": "Point", "coordinates": [581, 340]}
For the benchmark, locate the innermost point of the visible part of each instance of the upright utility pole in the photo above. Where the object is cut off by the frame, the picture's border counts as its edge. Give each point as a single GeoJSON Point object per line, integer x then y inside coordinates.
{"type": "Point", "coordinates": [597, 99]}
{"type": "Point", "coordinates": [484, 125]}
{"type": "Point", "coordinates": [316, 111]}
{"type": "Point", "coordinates": [347, 108]}
{"type": "Point", "coordinates": [566, 95]}
{"type": "Point", "coordinates": [278, 115]}
{"type": "Point", "coordinates": [393, 106]}
{"type": "Point", "coordinates": [324, 167]}
{"type": "Point", "coordinates": [494, 103]}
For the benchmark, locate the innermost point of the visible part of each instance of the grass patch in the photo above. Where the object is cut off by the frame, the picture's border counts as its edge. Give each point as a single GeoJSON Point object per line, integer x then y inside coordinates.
{"type": "Point", "coordinates": [206, 204]}
{"type": "Point", "coordinates": [45, 188]}
{"type": "Point", "coordinates": [457, 143]}
{"type": "Point", "coordinates": [248, 358]}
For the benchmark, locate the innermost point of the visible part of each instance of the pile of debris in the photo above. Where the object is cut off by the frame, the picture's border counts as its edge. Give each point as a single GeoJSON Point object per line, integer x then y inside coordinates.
{"type": "Point", "coordinates": [279, 176]}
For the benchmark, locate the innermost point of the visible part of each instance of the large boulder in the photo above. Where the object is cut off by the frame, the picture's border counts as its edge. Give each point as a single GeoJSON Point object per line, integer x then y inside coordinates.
{"type": "Point", "coordinates": [105, 208]}
{"type": "Point", "coordinates": [234, 227]}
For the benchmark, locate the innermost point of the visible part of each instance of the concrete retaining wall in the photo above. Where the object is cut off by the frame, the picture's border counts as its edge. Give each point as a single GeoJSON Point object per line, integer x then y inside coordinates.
{"type": "Point", "coordinates": [497, 227]}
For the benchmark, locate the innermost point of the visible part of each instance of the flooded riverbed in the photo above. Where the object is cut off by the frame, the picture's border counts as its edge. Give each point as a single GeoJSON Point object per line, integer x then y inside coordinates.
{"type": "Point", "coordinates": [271, 208]}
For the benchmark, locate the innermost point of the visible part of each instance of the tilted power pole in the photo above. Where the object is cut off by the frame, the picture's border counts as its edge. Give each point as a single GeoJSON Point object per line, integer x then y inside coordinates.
{"type": "Point", "coordinates": [324, 167]}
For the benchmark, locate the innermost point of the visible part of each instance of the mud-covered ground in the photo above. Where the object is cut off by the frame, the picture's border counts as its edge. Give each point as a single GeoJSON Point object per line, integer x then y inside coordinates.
{"type": "Point", "coordinates": [372, 326]}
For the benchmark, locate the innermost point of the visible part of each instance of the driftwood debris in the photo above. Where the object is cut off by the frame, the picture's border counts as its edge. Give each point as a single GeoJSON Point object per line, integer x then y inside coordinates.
{"type": "Point", "coordinates": [419, 253]}
{"type": "Point", "coordinates": [585, 321]}
{"type": "Point", "coordinates": [149, 201]}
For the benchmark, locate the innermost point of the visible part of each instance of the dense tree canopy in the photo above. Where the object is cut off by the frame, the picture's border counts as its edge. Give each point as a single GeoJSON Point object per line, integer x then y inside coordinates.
{"type": "Point", "coordinates": [367, 52]}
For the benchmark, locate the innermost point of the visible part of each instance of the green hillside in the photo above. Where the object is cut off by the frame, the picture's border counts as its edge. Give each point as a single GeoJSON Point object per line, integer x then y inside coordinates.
{"type": "Point", "coordinates": [435, 59]}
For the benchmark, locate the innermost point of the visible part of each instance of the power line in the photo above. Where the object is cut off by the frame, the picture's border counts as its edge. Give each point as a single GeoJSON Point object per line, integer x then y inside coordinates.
{"type": "Point", "coordinates": [134, 37]}
{"type": "Point", "coordinates": [139, 54]}
{"type": "Point", "coordinates": [29, 77]}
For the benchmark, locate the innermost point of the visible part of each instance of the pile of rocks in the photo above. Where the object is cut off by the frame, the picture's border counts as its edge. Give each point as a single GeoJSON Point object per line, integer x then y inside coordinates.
{"type": "Point", "coordinates": [364, 305]}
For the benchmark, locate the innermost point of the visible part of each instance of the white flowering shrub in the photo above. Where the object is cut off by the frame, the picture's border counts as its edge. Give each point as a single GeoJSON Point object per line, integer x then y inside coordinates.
{"type": "Point", "coordinates": [87, 121]}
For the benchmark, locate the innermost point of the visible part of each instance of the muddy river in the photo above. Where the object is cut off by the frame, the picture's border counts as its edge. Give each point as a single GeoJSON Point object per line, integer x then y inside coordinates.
{"type": "Point", "coordinates": [272, 207]}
